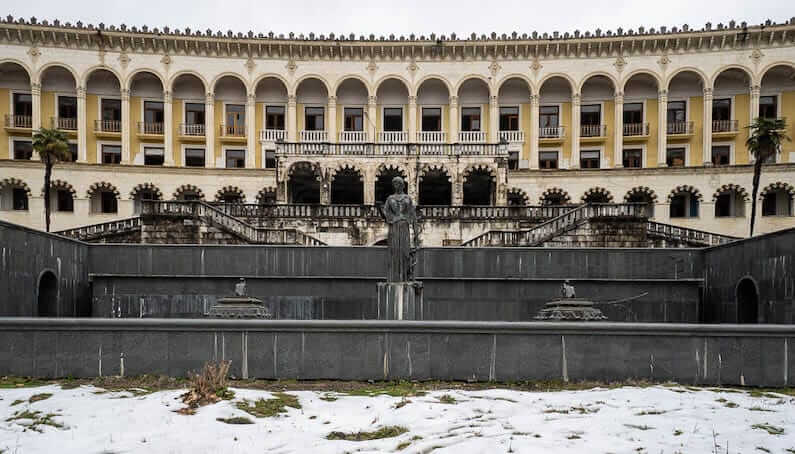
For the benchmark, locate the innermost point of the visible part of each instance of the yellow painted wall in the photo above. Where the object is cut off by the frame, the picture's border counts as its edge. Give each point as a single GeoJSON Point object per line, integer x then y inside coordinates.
{"type": "Point", "coordinates": [218, 119]}
{"type": "Point", "coordinates": [177, 112]}
{"type": "Point", "coordinates": [609, 120]}
{"type": "Point", "coordinates": [742, 113]}
{"type": "Point", "coordinates": [5, 109]}
{"type": "Point", "coordinates": [259, 123]}
{"type": "Point", "coordinates": [92, 113]}
{"type": "Point", "coordinates": [48, 109]}
{"type": "Point", "coordinates": [788, 112]}
{"type": "Point", "coordinates": [484, 122]}
{"type": "Point", "coordinates": [525, 125]}
{"type": "Point", "coordinates": [565, 121]}
{"type": "Point", "coordinates": [652, 116]}
{"type": "Point", "coordinates": [697, 141]}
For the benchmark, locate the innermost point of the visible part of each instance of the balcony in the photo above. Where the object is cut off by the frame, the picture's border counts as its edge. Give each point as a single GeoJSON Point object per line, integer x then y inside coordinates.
{"type": "Point", "coordinates": [314, 136]}
{"type": "Point", "coordinates": [19, 123]}
{"type": "Point", "coordinates": [232, 133]}
{"type": "Point", "coordinates": [68, 124]}
{"type": "Point", "coordinates": [551, 134]}
{"type": "Point", "coordinates": [636, 132]}
{"type": "Point", "coordinates": [593, 133]}
{"type": "Point", "coordinates": [471, 136]}
{"type": "Point", "coordinates": [191, 132]}
{"type": "Point", "coordinates": [393, 137]}
{"type": "Point", "coordinates": [272, 135]}
{"type": "Point", "coordinates": [150, 130]}
{"type": "Point", "coordinates": [107, 128]}
{"type": "Point", "coordinates": [352, 137]}
{"type": "Point", "coordinates": [678, 129]}
{"type": "Point", "coordinates": [442, 150]}
{"type": "Point", "coordinates": [725, 128]}
{"type": "Point", "coordinates": [512, 136]}
{"type": "Point", "coordinates": [431, 137]}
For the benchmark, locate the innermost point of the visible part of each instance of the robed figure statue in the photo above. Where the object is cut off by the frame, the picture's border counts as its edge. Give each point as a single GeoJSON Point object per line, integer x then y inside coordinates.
{"type": "Point", "coordinates": [400, 216]}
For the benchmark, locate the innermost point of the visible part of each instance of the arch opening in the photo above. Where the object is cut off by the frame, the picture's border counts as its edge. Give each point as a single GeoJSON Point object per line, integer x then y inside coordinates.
{"type": "Point", "coordinates": [776, 81]}
{"type": "Point", "coordinates": [347, 188]}
{"type": "Point", "coordinates": [433, 97]}
{"type": "Point", "coordinates": [47, 301]}
{"type": "Point", "coordinates": [435, 188]}
{"type": "Point", "coordinates": [479, 188]}
{"type": "Point", "coordinates": [13, 76]}
{"type": "Point", "coordinates": [777, 202]}
{"type": "Point", "coordinates": [60, 83]}
{"type": "Point", "coordinates": [637, 90]}
{"type": "Point", "coordinates": [747, 301]}
{"type": "Point", "coordinates": [303, 186]}
{"type": "Point", "coordinates": [383, 183]}
{"type": "Point", "coordinates": [392, 95]}
{"type": "Point", "coordinates": [553, 92]}
{"type": "Point", "coordinates": [684, 204]}
{"type": "Point", "coordinates": [595, 92]}
{"type": "Point", "coordinates": [149, 87]}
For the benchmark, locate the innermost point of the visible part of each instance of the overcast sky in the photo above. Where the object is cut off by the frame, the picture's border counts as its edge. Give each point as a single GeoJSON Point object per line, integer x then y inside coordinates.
{"type": "Point", "coordinates": [382, 17]}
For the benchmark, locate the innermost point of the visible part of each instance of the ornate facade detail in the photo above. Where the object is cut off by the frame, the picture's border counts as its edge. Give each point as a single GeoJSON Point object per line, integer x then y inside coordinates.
{"type": "Point", "coordinates": [756, 56]}
{"type": "Point", "coordinates": [372, 67]}
{"type": "Point", "coordinates": [345, 167]}
{"type": "Point", "coordinates": [685, 188]}
{"type": "Point", "coordinates": [292, 100]}
{"type": "Point", "coordinates": [640, 192]}
{"type": "Point", "coordinates": [436, 167]}
{"type": "Point", "coordinates": [167, 96]}
{"type": "Point", "coordinates": [554, 196]}
{"type": "Point", "coordinates": [575, 99]}
{"type": "Point", "coordinates": [620, 63]}
{"type": "Point", "coordinates": [230, 192]}
{"type": "Point", "coordinates": [266, 196]}
{"type": "Point", "coordinates": [35, 89]}
{"type": "Point", "coordinates": [534, 99]}
{"type": "Point", "coordinates": [166, 60]}
{"type": "Point", "coordinates": [707, 94]}
{"type": "Point", "coordinates": [517, 197]}
{"type": "Point", "coordinates": [185, 189]}
{"type": "Point", "coordinates": [731, 188]}
{"type": "Point", "coordinates": [291, 66]}
{"type": "Point", "coordinates": [391, 168]}
{"type": "Point", "coordinates": [146, 187]}
{"type": "Point", "coordinates": [124, 60]}
{"type": "Point", "coordinates": [597, 195]}
{"type": "Point", "coordinates": [372, 100]}
{"type": "Point", "coordinates": [412, 100]}
{"type": "Point", "coordinates": [777, 186]}
{"type": "Point", "coordinates": [99, 187]}
{"type": "Point", "coordinates": [124, 94]}
{"type": "Point", "coordinates": [60, 185]}
{"type": "Point", "coordinates": [34, 52]}
{"type": "Point", "coordinates": [481, 167]}
{"type": "Point", "coordinates": [536, 66]}
{"type": "Point", "coordinates": [494, 68]}
{"type": "Point", "coordinates": [15, 183]}
{"type": "Point", "coordinates": [664, 61]}
{"type": "Point", "coordinates": [311, 167]}
{"type": "Point", "coordinates": [250, 65]}
{"type": "Point", "coordinates": [454, 101]}
{"type": "Point", "coordinates": [81, 91]}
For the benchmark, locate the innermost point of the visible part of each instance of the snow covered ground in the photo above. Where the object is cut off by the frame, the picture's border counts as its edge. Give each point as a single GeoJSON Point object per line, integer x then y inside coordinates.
{"type": "Point", "coordinates": [657, 419]}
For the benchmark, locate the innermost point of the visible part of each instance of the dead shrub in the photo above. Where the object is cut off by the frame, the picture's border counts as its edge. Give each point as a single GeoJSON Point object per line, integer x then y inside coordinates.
{"type": "Point", "coordinates": [208, 386]}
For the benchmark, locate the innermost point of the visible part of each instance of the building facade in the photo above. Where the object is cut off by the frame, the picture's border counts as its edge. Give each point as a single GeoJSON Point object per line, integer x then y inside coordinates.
{"type": "Point", "coordinates": [655, 116]}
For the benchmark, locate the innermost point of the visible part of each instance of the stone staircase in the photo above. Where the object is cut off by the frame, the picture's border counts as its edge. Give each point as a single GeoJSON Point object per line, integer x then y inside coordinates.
{"type": "Point", "coordinates": [570, 220]}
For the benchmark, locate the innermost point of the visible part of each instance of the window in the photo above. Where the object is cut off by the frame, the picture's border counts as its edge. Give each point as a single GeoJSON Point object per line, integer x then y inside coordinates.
{"type": "Point", "coordinates": [73, 151]}
{"type": "Point", "coordinates": [20, 199]}
{"type": "Point", "coordinates": [393, 119]}
{"type": "Point", "coordinates": [548, 159]}
{"type": "Point", "coordinates": [235, 159]}
{"type": "Point", "coordinates": [431, 119]}
{"type": "Point", "coordinates": [109, 202]}
{"type": "Point", "coordinates": [549, 117]}
{"type": "Point", "coordinates": [64, 201]}
{"type": "Point", "coordinates": [111, 110]}
{"type": "Point", "coordinates": [768, 106]}
{"type": "Point", "coordinates": [777, 203]}
{"type": "Point", "coordinates": [153, 156]}
{"type": "Point", "coordinates": [721, 155]}
{"type": "Point", "coordinates": [675, 157]}
{"type": "Point", "coordinates": [633, 158]}
{"type": "Point", "coordinates": [153, 112]}
{"type": "Point", "coordinates": [274, 117]}
{"type": "Point", "coordinates": [22, 107]}
{"type": "Point", "coordinates": [513, 160]}
{"type": "Point", "coordinates": [270, 159]}
{"type": "Point", "coordinates": [590, 159]}
{"type": "Point", "coordinates": [235, 120]}
{"type": "Point", "coordinates": [470, 119]}
{"type": "Point", "coordinates": [677, 117]}
{"type": "Point", "coordinates": [23, 149]}
{"type": "Point", "coordinates": [509, 118]}
{"type": "Point", "coordinates": [67, 107]}
{"type": "Point", "coordinates": [111, 154]}
{"type": "Point", "coordinates": [354, 119]}
{"type": "Point", "coordinates": [591, 115]}
{"type": "Point", "coordinates": [314, 119]}
{"type": "Point", "coordinates": [194, 157]}
{"type": "Point", "coordinates": [684, 205]}
{"type": "Point", "coordinates": [722, 109]}
{"type": "Point", "coordinates": [194, 113]}
{"type": "Point", "coordinates": [723, 205]}
{"type": "Point", "coordinates": [633, 113]}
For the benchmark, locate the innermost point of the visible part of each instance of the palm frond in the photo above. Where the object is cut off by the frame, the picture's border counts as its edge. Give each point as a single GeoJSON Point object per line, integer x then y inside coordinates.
{"type": "Point", "coordinates": [51, 144]}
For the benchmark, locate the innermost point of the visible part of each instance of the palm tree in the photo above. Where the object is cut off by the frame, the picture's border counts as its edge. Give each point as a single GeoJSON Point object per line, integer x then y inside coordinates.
{"type": "Point", "coordinates": [52, 146]}
{"type": "Point", "coordinates": [764, 141]}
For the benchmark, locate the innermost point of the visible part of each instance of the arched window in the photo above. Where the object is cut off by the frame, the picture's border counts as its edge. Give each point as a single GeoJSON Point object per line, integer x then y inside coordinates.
{"type": "Point", "coordinates": [347, 187]}
{"type": "Point", "coordinates": [555, 197]}
{"type": "Point", "coordinates": [103, 198]}
{"type": "Point", "coordinates": [435, 187]}
{"type": "Point", "coordinates": [303, 184]}
{"type": "Point", "coordinates": [730, 201]}
{"type": "Point", "coordinates": [479, 186]}
{"type": "Point", "coordinates": [684, 202]}
{"type": "Point", "coordinates": [14, 195]}
{"type": "Point", "coordinates": [383, 182]}
{"type": "Point", "coordinates": [777, 199]}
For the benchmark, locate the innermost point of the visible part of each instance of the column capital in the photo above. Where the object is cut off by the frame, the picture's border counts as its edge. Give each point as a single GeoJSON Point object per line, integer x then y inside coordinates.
{"type": "Point", "coordinates": [125, 94]}
{"type": "Point", "coordinates": [292, 100]}
{"type": "Point", "coordinates": [619, 97]}
{"type": "Point", "coordinates": [534, 99]}
{"type": "Point", "coordinates": [662, 95]}
{"type": "Point", "coordinates": [412, 100]}
{"type": "Point", "coordinates": [332, 100]}
{"type": "Point", "coordinates": [81, 92]}
{"type": "Point", "coordinates": [372, 100]}
{"type": "Point", "coordinates": [167, 96]}
{"type": "Point", "coordinates": [35, 89]}
{"type": "Point", "coordinates": [707, 93]}
{"type": "Point", "coordinates": [494, 100]}
{"type": "Point", "coordinates": [209, 98]}
{"type": "Point", "coordinates": [453, 101]}
{"type": "Point", "coordinates": [575, 99]}
{"type": "Point", "coordinates": [251, 99]}
{"type": "Point", "coordinates": [755, 89]}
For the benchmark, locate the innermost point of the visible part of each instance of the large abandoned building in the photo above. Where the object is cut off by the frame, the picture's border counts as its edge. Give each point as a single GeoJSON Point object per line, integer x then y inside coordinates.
{"type": "Point", "coordinates": [297, 137]}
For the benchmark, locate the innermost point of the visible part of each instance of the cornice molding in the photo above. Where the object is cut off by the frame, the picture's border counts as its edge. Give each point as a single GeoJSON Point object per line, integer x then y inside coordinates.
{"type": "Point", "coordinates": [413, 48]}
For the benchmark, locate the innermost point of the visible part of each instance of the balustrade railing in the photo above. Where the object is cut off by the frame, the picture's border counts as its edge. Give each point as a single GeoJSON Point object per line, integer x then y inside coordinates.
{"type": "Point", "coordinates": [353, 136]}
{"type": "Point", "coordinates": [394, 149]}
{"type": "Point", "coordinates": [431, 136]}
{"type": "Point", "coordinates": [724, 126]}
{"type": "Point", "coordinates": [687, 235]}
{"type": "Point", "coordinates": [191, 129]}
{"type": "Point", "coordinates": [95, 230]}
{"type": "Point", "coordinates": [150, 128]}
{"type": "Point", "coordinates": [65, 123]}
{"type": "Point", "coordinates": [233, 130]}
{"type": "Point", "coordinates": [636, 129]}
{"type": "Point", "coordinates": [680, 127]}
{"type": "Point", "coordinates": [472, 136]}
{"type": "Point", "coordinates": [19, 121]}
{"type": "Point", "coordinates": [107, 126]}
{"type": "Point", "coordinates": [551, 132]}
{"type": "Point", "coordinates": [393, 137]}
{"type": "Point", "coordinates": [314, 136]}
{"type": "Point", "coordinates": [512, 136]}
{"type": "Point", "coordinates": [593, 130]}
{"type": "Point", "coordinates": [272, 135]}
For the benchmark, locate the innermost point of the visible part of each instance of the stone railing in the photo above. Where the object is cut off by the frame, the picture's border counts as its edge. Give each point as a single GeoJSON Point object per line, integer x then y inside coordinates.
{"type": "Point", "coordinates": [272, 135]}
{"type": "Point", "coordinates": [472, 136]}
{"type": "Point", "coordinates": [193, 129]}
{"type": "Point", "coordinates": [106, 228]}
{"type": "Point", "coordinates": [314, 136]}
{"type": "Point", "coordinates": [393, 137]}
{"type": "Point", "coordinates": [552, 132]}
{"type": "Point", "coordinates": [636, 129]}
{"type": "Point", "coordinates": [353, 136]}
{"type": "Point", "coordinates": [107, 126]}
{"type": "Point", "coordinates": [686, 235]}
{"type": "Point", "coordinates": [148, 128]}
{"type": "Point", "coordinates": [19, 121]}
{"type": "Point", "coordinates": [65, 123]}
{"type": "Point", "coordinates": [680, 127]}
{"type": "Point", "coordinates": [724, 125]}
{"type": "Point", "coordinates": [593, 130]}
{"type": "Point", "coordinates": [232, 130]}
{"type": "Point", "coordinates": [392, 149]}
{"type": "Point", "coordinates": [431, 136]}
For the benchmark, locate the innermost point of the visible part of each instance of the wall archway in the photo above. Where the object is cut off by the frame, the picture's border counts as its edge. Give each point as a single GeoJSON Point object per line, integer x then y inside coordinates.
{"type": "Point", "coordinates": [47, 294]}
{"type": "Point", "coordinates": [747, 294]}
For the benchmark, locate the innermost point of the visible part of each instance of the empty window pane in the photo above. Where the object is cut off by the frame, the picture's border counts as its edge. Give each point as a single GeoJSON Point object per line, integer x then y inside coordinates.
{"type": "Point", "coordinates": [509, 118]}
{"type": "Point", "coordinates": [590, 159]}
{"type": "Point", "coordinates": [274, 117]}
{"type": "Point", "coordinates": [354, 119]}
{"type": "Point", "coordinates": [65, 202]}
{"type": "Point", "coordinates": [153, 156]}
{"type": "Point", "coordinates": [314, 118]}
{"type": "Point", "coordinates": [548, 159]}
{"type": "Point", "coordinates": [23, 149]}
{"type": "Point", "coordinates": [470, 119]}
{"type": "Point", "coordinates": [20, 199]}
{"type": "Point", "coordinates": [633, 113]}
{"type": "Point", "coordinates": [675, 157]}
{"type": "Point", "coordinates": [235, 159]}
{"type": "Point", "coordinates": [633, 158]}
{"type": "Point", "coordinates": [393, 119]}
{"type": "Point", "coordinates": [721, 155]}
{"type": "Point", "coordinates": [194, 157]}
{"type": "Point", "coordinates": [431, 119]}
{"type": "Point", "coordinates": [111, 154]}
{"type": "Point", "coordinates": [194, 113]}
{"type": "Point", "coordinates": [768, 106]}
{"type": "Point", "coordinates": [591, 115]}
{"type": "Point", "coordinates": [109, 203]}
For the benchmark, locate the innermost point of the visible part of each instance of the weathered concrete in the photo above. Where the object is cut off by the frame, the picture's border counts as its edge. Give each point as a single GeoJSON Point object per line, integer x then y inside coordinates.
{"type": "Point", "coordinates": [373, 350]}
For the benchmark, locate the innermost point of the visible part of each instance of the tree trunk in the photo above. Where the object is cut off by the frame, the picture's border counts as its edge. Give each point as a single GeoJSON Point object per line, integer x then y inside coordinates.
{"type": "Point", "coordinates": [47, 175]}
{"type": "Point", "coordinates": [755, 189]}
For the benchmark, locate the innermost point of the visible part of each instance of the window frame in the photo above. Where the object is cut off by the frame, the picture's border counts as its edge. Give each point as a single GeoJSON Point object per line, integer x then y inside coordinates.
{"type": "Point", "coordinates": [518, 108]}
{"type": "Point", "coordinates": [323, 115]}
{"type": "Point", "coordinates": [186, 148]}
{"type": "Point", "coordinates": [384, 108]}
{"type": "Point", "coordinates": [471, 107]}
{"type": "Point", "coordinates": [422, 117]}
{"type": "Point", "coordinates": [557, 159]}
{"type": "Point", "coordinates": [101, 152]}
{"type": "Point", "coordinates": [265, 116]}
{"type": "Point", "coordinates": [226, 151]}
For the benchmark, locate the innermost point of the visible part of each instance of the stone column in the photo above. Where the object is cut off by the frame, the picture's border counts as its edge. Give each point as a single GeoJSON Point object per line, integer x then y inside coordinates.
{"type": "Point", "coordinates": [82, 153]}
{"type": "Point", "coordinates": [35, 97]}
{"type": "Point", "coordinates": [251, 131]}
{"type": "Point", "coordinates": [534, 124]}
{"type": "Point", "coordinates": [372, 119]}
{"type": "Point", "coordinates": [209, 130]}
{"type": "Point", "coordinates": [368, 179]}
{"type": "Point", "coordinates": [494, 120]}
{"type": "Point", "coordinates": [292, 124]}
{"type": "Point", "coordinates": [126, 153]}
{"type": "Point", "coordinates": [412, 129]}
{"type": "Point", "coordinates": [325, 187]}
{"type": "Point", "coordinates": [707, 134]}
{"type": "Point", "coordinates": [754, 113]}
{"type": "Point", "coordinates": [618, 133]}
{"type": "Point", "coordinates": [453, 129]}
{"type": "Point", "coordinates": [332, 119]}
{"type": "Point", "coordinates": [575, 131]}
{"type": "Point", "coordinates": [168, 129]}
{"type": "Point", "coordinates": [662, 127]}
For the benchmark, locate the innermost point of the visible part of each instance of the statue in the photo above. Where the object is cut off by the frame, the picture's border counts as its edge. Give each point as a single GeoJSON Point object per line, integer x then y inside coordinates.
{"type": "Point", "coordinates": [567, 290]}
{"type": "Point", "coordinates": [240, 287]}
{"type": "Point", "coordinates": [400, 216]}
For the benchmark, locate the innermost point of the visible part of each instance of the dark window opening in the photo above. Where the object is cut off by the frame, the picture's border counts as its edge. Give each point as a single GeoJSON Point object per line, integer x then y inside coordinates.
{"type": "Point", "coordinates": [747, 302]}
{"type": "Point", "coordinates": [675, 157]}
{"type": "Point", "coordinates": [722, 109]}
{"type": "Point", "coordinates": [347, 188]}
{"type": "Point", "coordinates": [304, 187]}
{"type": "Point", "coordinates": [777, 203]}
{"type": "Point", "coordinates": [479, 188]}
{"type": "Point", "coordinates": [677, 112]}
{"type": "Point", "coordinates": [768, 107]}
{"type": "Point", "coordinates": [153, 114]}
{"type": "Point", "coordinates": [64, 200]}
{"type": "Point", "coordinates": [633, 113]}
{"type": "Point", "coordinates": [509, 118]}
{"type": "Point", "coordinates": [435, 189]}
{"type": "Point", "coordinates": [111, 110]}
{"type": "Point", "coordinates": [67, 107]}
{"type": "Point", "coordinates": [353, 119]}
{"type": "Point", "coordinates": [513, 160]}
{"type": "Point", "coordinates": [548, 159]}
{"type": "Point", "coordinates": [154, 156]}
{"type": "Point", "coordinates": [470, 119]}
{"type": "Point", "coordinates": [516, 198]}
{"type": "Point", "coordinates": [23, 149]}
{"type": "Point", "coordinates": [639, 197]}
{"type": "Point", "coordinates": [723, 205]}
{"type": "Point", "coordinates": [431, 119]}
{"type": "Point", "coordinates": [684, 205]}
{"type": "Point", "coordinates": [549, 117]}
{"type": "Point", "coordinates": [235, 159]}
{"type": "Point", "coordinates": [73, 152]}
{"type": "Point", "coordinates": [591, 115]}
{"type": "Point", "coordinates": [22, 106]}
{"type": "Point", "coordinates": [270, 159]}
{"type": "Point", "coordinates": [194, 113]}
{"type": "Point", "coordinates": [111, 154]}
{"type": "Point", "coordinates": [48, 295]}
{"type": "Point", "coordinates": [393, 119]}
{"type": "Point", "coordinates": [20, 199]}
{"type": "Point", "coordinates": [721, 155]}
{"type": "Point", "coordinates": [590, 159]}
{"type": "Point", "coordinates": [633, 158]}
{"type": "Point", "coordinates": [274, 117]}
{"type": "Point", "coordinates": [235, 120]}
{"type": "Point", "coordinates": [383, 184]}
{"type": "Point", "coordinates": [109, 203]}
{"type": "Point", "coordinates": [194, 157]}
{"type": "Point", "coordinates": [314, 118]}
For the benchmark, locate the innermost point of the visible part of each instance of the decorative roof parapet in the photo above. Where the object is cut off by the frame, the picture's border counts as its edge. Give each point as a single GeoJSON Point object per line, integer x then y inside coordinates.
{"type": "Point", "coordinates": [311, 46]}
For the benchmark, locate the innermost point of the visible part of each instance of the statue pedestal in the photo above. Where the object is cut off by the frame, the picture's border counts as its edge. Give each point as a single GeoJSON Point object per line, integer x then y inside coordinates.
{"type": "Point", "coordinates": [400, 300]}
{"type": "Point", "coordinates": [570, 309]}
{"type": "Point", "coordinates": [238, 307]}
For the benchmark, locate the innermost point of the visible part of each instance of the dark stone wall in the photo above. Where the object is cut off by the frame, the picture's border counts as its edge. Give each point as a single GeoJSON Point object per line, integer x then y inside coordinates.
{"type": "Point", "coordinates": [372, 350]}
{"type": "Point", "coordinates": [26, 255]}
{"type": "Point", "coordinates": [768, 261]}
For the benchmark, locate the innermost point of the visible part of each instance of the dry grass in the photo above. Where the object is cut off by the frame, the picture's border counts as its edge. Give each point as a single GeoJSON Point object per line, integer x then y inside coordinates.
{"type": "Point", "coordinates": [208, 386]}
{"type": "Point", "coordinates": [383, 432]}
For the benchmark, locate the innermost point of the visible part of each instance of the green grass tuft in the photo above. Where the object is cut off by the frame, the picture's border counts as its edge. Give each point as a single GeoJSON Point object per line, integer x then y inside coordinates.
{"type": "Point", "coordinates": [383, 432]}
{"type": "Point", "coordinates": [447, 399]}
{"type": "Point", "coordinates": [235, 420]}
{"type": "Point", "coordinates": [17, 402]}
{"type": "Point", "coordinates": [771, 429]}
{"type": "Point", "coordinates": [264, 408]}
{"type": "Point", "coordinates": [639, 427]}
{"type": "Point", "coordinates": [38, 397]}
